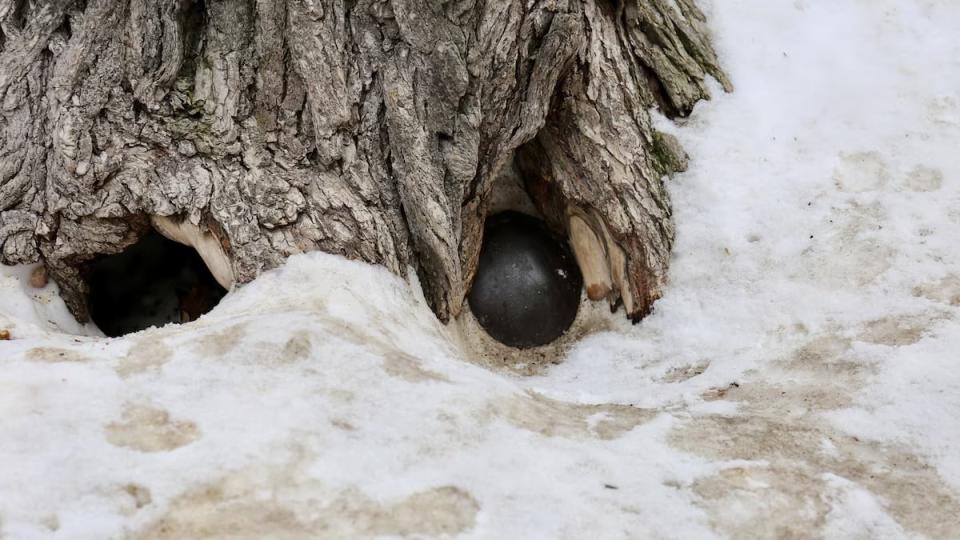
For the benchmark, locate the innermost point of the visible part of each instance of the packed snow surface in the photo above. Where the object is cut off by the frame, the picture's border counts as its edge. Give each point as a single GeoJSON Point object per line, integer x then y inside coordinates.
{"type": "Point", "coordinates": [800, 376]}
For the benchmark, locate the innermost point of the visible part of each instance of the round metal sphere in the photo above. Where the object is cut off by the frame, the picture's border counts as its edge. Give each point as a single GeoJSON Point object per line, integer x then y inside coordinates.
{"type": "Point", "coordinates": [527, 288]}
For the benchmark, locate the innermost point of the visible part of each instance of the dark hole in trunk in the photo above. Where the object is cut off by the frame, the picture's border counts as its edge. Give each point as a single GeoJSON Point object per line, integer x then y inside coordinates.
{"type": "Point", "coordinates": [154, 282]}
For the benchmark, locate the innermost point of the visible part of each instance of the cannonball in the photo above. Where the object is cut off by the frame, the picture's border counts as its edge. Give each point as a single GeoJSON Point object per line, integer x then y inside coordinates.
{"type": "Point", "coordinates": [527, 287]}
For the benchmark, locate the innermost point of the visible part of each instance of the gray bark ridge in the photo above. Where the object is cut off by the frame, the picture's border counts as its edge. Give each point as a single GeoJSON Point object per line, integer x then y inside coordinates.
{"type": "Point", "coordinates": [374, 129]}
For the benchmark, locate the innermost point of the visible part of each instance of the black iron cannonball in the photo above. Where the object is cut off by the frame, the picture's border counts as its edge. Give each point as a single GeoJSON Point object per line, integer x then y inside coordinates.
{"type": "Point", "coordinates": [527, 288]}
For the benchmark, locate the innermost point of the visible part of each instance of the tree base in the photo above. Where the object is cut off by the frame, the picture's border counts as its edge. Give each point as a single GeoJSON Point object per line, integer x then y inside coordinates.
{"type": "Point", "coordinates": [371, 129]}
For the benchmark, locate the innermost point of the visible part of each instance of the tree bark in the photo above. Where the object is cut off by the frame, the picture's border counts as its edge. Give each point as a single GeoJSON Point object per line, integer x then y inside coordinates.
{"type": "Point", "coordinates": [375, 129]}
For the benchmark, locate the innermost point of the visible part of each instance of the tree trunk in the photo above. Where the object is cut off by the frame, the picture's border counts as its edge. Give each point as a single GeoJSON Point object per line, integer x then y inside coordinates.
{"type": "Point", "coordinates": [376, 129]}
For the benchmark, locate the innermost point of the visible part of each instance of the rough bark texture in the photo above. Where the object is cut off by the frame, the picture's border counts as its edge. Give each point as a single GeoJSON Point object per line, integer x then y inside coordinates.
{"type": "Point", "coordinates": [376, 129]}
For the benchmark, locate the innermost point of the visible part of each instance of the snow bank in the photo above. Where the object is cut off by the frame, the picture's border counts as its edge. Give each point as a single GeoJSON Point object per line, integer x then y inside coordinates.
{"type": "Point", "coordinates": [799, 376]}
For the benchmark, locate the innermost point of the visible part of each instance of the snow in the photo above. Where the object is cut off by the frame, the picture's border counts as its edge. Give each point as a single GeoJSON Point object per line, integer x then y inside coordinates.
{"type": "Point", "coordinates": [799, 377]}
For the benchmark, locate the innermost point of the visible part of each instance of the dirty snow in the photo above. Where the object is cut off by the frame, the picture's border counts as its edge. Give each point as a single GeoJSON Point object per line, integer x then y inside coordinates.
{"type": "Point", "coordinates": [799, 377]}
